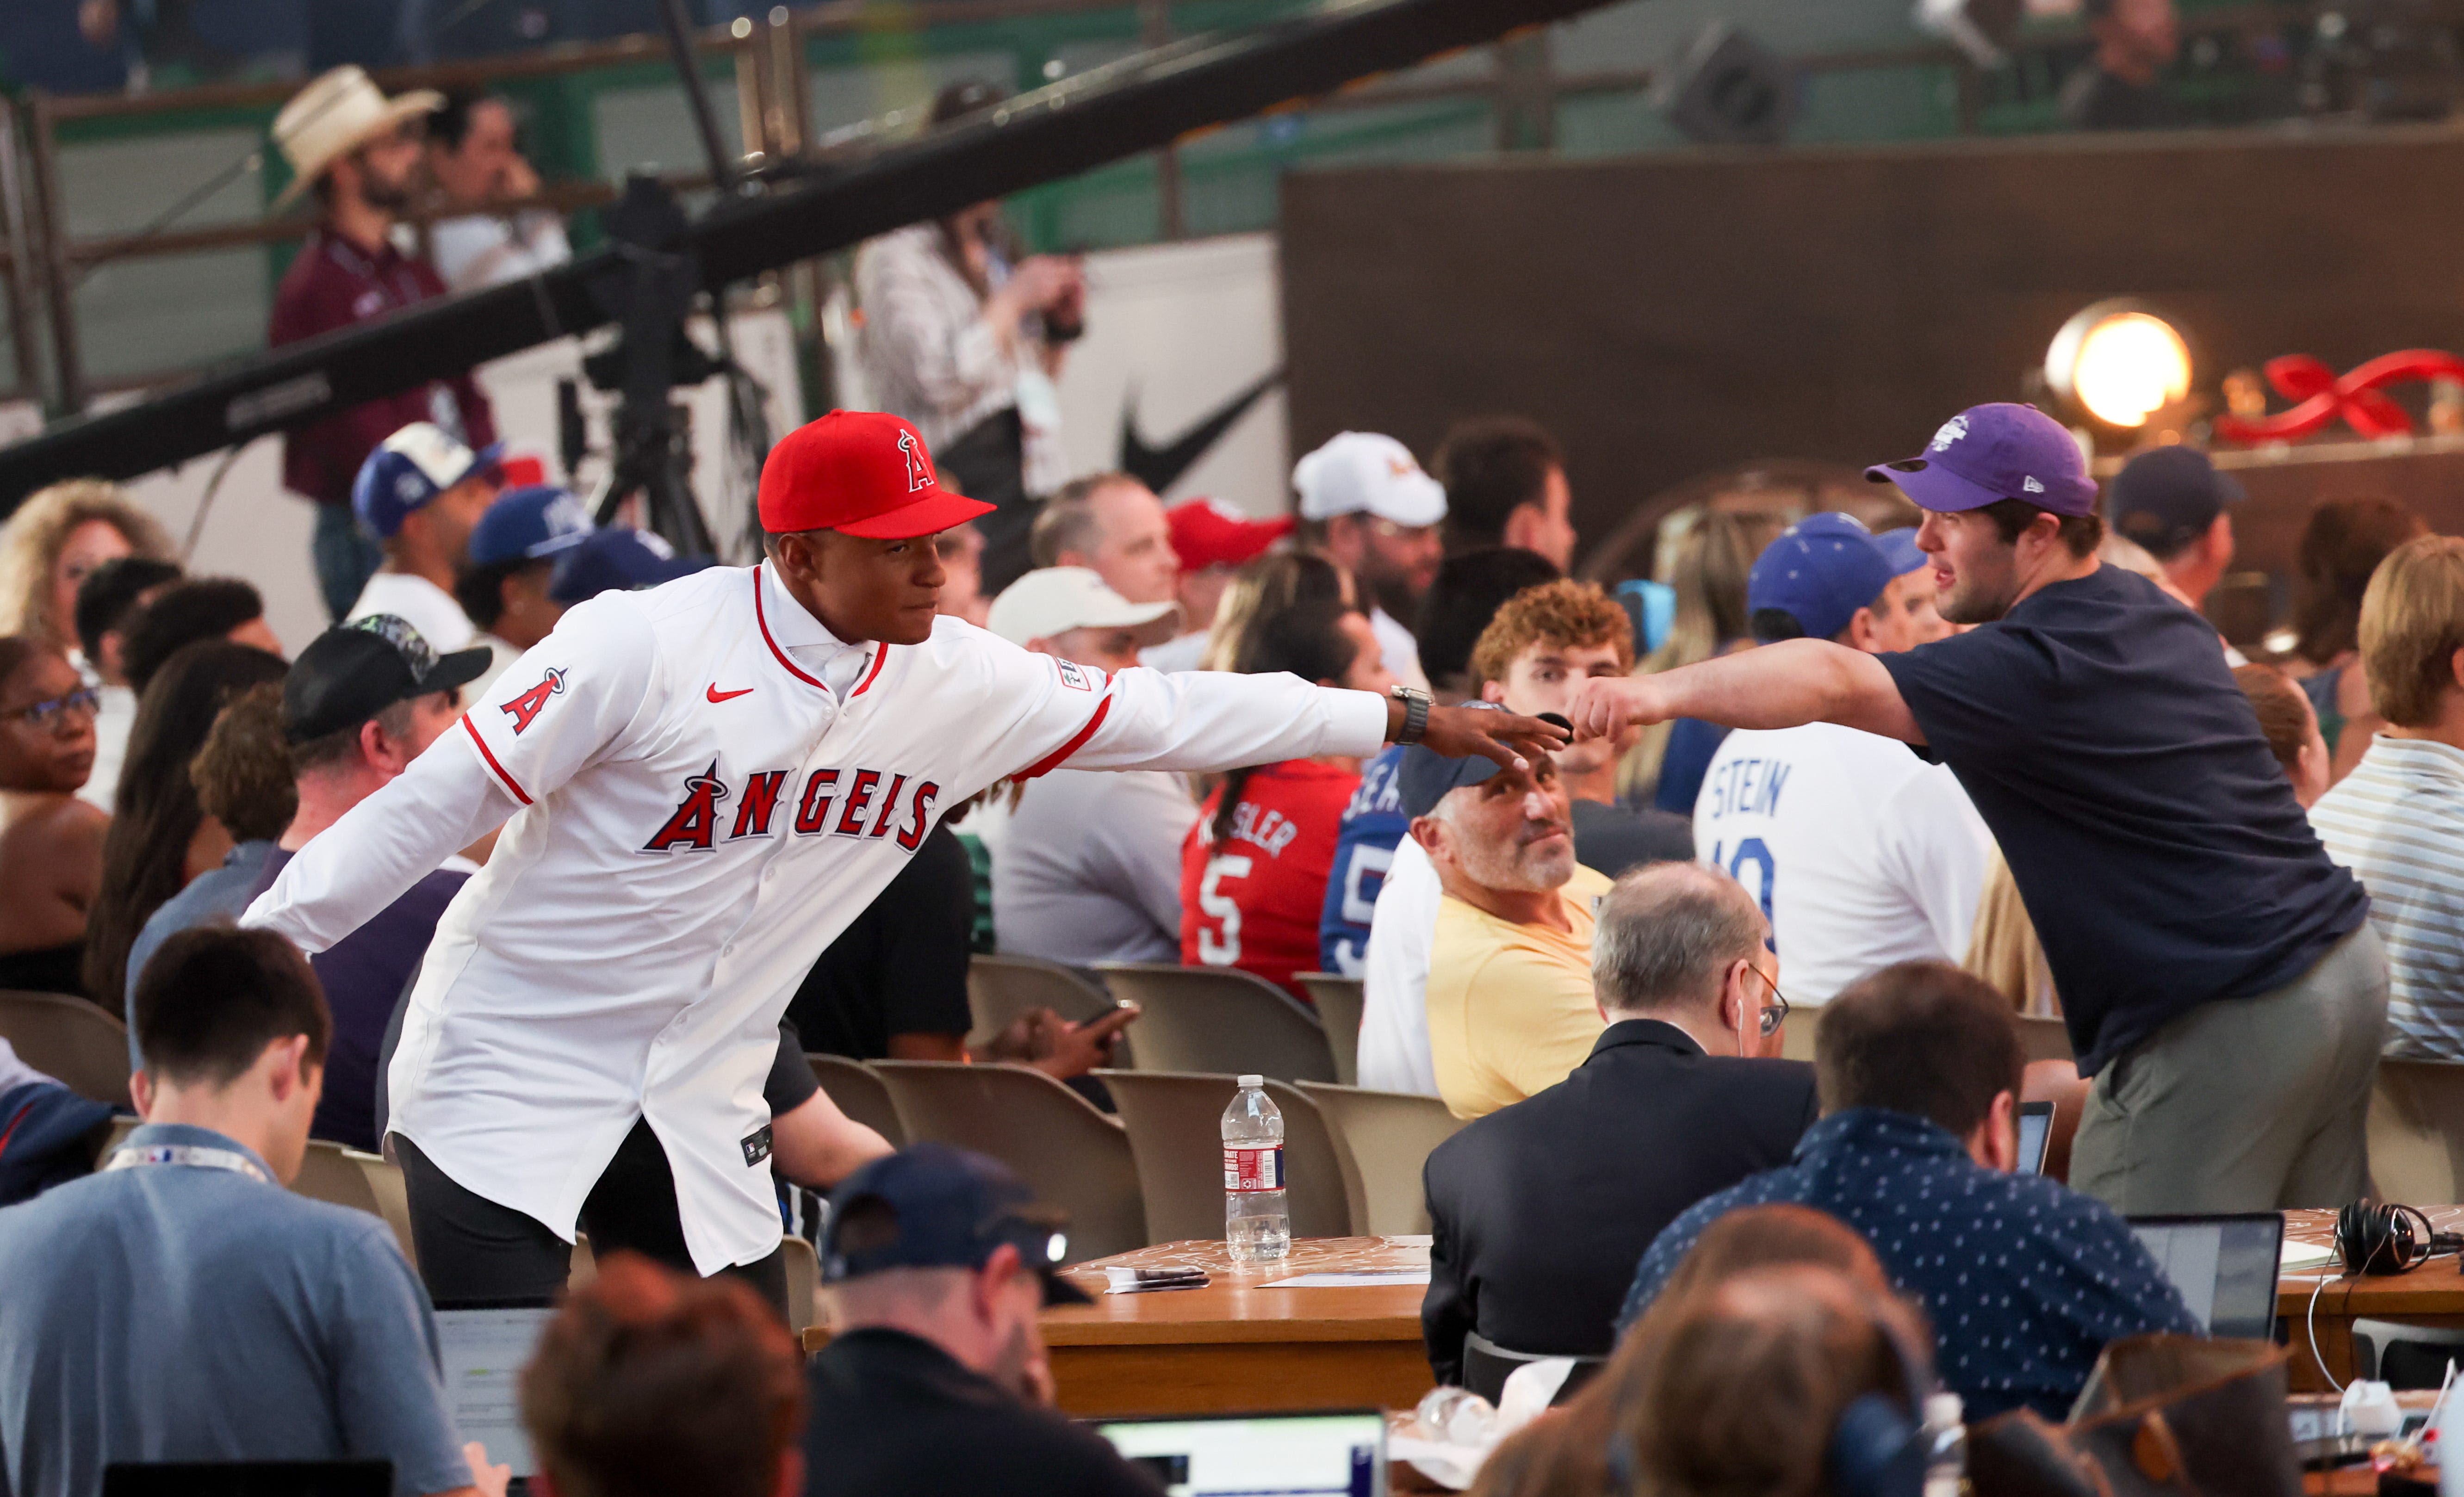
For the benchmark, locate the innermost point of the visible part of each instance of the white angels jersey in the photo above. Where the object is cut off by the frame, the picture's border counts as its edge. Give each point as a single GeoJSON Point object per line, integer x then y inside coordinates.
{"type": "Point", "coordinates": [694, 817]}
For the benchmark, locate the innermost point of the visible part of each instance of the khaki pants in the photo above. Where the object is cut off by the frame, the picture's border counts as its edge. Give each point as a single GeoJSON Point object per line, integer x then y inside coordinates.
{"type": "Point", "coordinates": [2254, 1103]}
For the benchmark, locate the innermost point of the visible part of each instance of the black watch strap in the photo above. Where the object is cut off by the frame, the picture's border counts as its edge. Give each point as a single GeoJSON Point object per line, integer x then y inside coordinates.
{"type": "Point", "coordinates": [1416, 713]}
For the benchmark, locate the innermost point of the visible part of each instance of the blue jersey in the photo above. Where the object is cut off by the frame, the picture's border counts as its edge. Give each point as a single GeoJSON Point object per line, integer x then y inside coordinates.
{"type": "Point", "coordinates": [1372, 823]}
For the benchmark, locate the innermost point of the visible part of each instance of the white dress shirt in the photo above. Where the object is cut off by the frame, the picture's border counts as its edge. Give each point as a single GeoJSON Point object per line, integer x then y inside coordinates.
{"type": "Point", "coordinates": [705, 789]}
{"type": "Point", "coordinates": [1398, 648]}
{"type": "Point", "coordinates": [1395, 977]}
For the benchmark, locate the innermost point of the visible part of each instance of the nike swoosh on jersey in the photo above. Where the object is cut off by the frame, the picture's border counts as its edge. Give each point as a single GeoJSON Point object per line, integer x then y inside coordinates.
{"type": "Point", "coordinates": [717, 695]}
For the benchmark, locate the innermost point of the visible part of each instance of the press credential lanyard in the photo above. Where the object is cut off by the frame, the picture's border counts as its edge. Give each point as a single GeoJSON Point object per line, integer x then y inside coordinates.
{"type": "Point", "coordinates": [194, 1155]}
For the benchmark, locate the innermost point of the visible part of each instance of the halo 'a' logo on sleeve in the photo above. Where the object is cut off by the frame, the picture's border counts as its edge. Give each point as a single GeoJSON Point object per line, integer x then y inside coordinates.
{"type": "Point", "coordinates": [1078, 677]}
{"type": "Point", "coordinates": [525, 708]}
{"type": "Point", "coordinates": [919, 468]}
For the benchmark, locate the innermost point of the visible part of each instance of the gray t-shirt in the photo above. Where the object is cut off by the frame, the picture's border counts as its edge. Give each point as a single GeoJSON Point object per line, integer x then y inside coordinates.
{"type": "Point", "coordinates": [1088, 868]}
{"type": "Point", "coordinates": [182, 1313]}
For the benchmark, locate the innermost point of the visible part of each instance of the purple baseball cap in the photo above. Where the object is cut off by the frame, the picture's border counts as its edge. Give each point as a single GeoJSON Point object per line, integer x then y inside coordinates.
{"type": "Point", "coordinates": [1987, 453]}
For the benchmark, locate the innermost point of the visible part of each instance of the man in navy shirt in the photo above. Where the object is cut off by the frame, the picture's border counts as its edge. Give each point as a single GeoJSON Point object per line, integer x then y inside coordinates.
{"type": "Point", "coordinates": [2024, 1282]}
{"type": "Point", "coordinates": [2218, 972]}
{"type": "Point", "coordinates": [180, 1305]}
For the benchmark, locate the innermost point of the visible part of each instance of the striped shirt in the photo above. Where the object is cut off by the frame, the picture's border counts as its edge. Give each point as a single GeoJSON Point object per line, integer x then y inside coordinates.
{"type": "Point", "coordinates": [2397, 821]}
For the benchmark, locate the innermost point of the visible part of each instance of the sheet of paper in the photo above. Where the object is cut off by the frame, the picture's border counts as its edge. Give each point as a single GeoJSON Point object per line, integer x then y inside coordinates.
{"type": "Point", "coordinates": [2306, 1255]}
{"type": "Point", "coordinates": [1350, 1281]}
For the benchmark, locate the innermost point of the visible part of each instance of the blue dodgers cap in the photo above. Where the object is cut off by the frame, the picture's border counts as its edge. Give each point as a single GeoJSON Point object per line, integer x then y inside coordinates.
{"type": "Point", "coordinates": [1820, 572]}
{"type": "Point", "coordinates": [933, 1206]}
{"type": "Point", "coordinates": [619, 558]}
{"type": "Point", "coordinates": [1428, 776]}
{"type": "Point", "coordinates": [1899, 549]}
{"type": "Point", "coordinates": [528, 524]}
{"type": "Point", "coordinates": [1988, 453]}
{"type": "Point", "coordinates": [408, 470]}
{"type": "Point", "coordinates": [2167, 496]}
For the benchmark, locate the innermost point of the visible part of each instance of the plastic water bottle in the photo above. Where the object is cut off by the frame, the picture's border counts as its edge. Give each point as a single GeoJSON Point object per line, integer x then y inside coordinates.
{"type": "Point", "coordinates": [1256, 1225]}
{"type": "Point", "coordinates": [1946, 1446]}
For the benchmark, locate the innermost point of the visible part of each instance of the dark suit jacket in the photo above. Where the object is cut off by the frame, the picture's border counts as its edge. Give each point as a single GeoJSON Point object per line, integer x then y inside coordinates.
{"type": "Point", "coordinates": [1542, 1209]}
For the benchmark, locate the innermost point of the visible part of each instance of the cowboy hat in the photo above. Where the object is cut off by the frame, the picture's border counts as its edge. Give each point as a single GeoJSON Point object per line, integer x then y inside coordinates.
{"type": "Point", "coordinates": [335, 115]}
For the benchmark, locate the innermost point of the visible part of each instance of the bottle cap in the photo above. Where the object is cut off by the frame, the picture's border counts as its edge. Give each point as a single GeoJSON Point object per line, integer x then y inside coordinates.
{"type": "Point", "coordinates": [1246, 1081]}
{"type": "Point", "coordinates": [1942, 1409]}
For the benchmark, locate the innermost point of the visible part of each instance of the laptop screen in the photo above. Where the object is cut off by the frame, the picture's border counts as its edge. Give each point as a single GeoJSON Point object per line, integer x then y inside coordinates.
{"type": "Point", "coordinates": [2035, 1131]}
{"type": "Point", "coordinates": [485, 1350]}
{"type": "Point", "coordinates": [2226, 1267]}
{"type": "Point", "coordinates": [1340, 1454]}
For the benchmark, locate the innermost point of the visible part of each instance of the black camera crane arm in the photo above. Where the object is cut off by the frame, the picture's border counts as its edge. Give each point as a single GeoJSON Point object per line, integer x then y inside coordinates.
{"type": "Point", "coordinates": [1137, 104]}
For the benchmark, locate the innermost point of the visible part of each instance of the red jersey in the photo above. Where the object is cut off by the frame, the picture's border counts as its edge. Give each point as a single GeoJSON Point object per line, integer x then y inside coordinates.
{"type": "Point", "coordinates": [1252, 901]}
{"type": "Point", "coordinates": [335, 283]}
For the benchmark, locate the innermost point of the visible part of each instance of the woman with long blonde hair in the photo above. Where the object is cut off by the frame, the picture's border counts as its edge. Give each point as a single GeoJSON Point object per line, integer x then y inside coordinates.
{"type": "Point", "coordinates": [1704, 554]}
{"type": "Point", "coordinates": [50, 544]}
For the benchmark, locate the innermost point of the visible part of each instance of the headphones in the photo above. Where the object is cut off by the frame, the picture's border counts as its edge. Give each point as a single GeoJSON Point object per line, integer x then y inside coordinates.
{"type": "Point", "coordinates": [1878, 1449]}
{"type": "Point", "coordinates": [2380, 1239]}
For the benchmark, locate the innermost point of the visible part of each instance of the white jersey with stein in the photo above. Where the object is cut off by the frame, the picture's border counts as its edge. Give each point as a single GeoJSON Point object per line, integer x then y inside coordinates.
{"type": "Point", "coordinates": [705, 789]}
{"type": "Point", "coordinates": [1861, 853]}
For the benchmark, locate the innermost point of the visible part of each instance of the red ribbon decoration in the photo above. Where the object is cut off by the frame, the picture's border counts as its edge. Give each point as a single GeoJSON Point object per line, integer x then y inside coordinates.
{"type": "Point", "coordinates": [2321, 397]}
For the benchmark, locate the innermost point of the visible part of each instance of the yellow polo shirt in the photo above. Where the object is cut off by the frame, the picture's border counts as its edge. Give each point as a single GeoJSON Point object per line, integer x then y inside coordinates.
{"type": "Point", "coordinates": [1511, 1009]}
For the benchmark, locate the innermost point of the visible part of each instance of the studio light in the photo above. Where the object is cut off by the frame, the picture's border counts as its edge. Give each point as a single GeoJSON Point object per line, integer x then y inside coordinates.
{"type": "Point", "coordinates": [2119, 362]}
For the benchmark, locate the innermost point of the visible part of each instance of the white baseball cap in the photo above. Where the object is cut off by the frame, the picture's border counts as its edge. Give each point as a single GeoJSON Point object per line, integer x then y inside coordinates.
{"type": "Point", "coordinates": [1053, 600]}
{"type": "Point", "coordinates": [1362, 473]}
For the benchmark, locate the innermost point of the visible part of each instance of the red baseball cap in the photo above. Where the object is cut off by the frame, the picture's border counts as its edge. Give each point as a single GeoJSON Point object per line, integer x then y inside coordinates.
{"type": "Point", "coordinates": [1210, 532]}
{"type": "Point", "coordinates": [860, 473]}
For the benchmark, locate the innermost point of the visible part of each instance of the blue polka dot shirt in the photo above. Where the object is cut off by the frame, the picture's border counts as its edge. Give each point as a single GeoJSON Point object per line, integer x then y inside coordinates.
{"type": "Point", "coordinates": [2025, 1281]}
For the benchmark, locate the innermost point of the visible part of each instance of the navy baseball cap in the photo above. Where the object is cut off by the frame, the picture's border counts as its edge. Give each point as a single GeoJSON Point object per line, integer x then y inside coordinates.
{"type": "Point", "coordinates": [355, 670]}
{"type": "Point", "coordinates": [1820, 572]}
{"type": "Point", "coordinates": [1899, 549]}
{"type": "Point", "coordinates": [530, 523]}
{"type": "Point", "coordinates": [408, 470]}
{"type": "Point", "coordinates": [947, 1208]}
{"type": "Point", "coordinates": [1428, 776]}
{"type": "Point", "coordinates": [619, 558]}
{"type": "Point", "coordinates": [1988, 453]}
{"type": "Point", "coordinates": [2167, 496]}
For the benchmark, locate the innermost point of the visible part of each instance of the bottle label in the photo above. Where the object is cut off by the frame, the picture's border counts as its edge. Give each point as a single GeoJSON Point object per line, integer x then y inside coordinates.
{"type": "Point", "coordinates": [1253, 1169]}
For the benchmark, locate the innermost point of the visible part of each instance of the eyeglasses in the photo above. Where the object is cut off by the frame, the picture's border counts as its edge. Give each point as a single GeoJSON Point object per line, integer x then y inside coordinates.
{"type": "Point", "coordinates": [52, 716]}
{"type": "Point", "coordinates": [1775, 1013]}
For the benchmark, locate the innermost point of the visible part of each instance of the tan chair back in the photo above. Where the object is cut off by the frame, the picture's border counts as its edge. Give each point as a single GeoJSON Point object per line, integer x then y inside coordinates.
{"type": "Point", "coordinates": [69, 1039]}
{"type": "Point", "coordinates": [1176, 1126]}
{"type": "Point", "coordinates": [1381, 1140]}
{"type": "Point", "coordinates": [1071, 1155]}
{"type": "Point", "coordinates": [1796, 1036]}
{"type": "Point", "coordinates": [859, 1093]}
{"type": "Point", "coordinates": [2416, 1131]}
{"type": "Point", "coordinates": [803, 1267]}
{"type": "Point", "coordinates": [1000, 988]}
{"type": "Point", "coordinates": [365, 1182]}
{"type": "Point", "coordinates": [1338, 1012]}
{"type": "Point", "coordinates": [1218, 1020]}
{"type": "Point", "coordinates": [2044, 1039]}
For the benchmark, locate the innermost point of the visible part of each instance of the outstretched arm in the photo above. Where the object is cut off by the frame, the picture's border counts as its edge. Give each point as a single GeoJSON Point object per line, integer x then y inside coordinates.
{"type": "Point", "coordinates": [1785, 685]}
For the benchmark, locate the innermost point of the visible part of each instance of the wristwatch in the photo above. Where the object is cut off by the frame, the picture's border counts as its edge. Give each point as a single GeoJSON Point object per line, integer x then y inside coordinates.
{"type": "Point", "coordinates": [1415, 712]}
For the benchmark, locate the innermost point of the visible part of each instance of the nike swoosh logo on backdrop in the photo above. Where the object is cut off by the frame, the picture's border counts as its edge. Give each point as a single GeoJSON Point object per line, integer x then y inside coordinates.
{"type": "Point", "coordinates": [1158, 468]}
{"type": "Point", "coordinates": [717, 695]}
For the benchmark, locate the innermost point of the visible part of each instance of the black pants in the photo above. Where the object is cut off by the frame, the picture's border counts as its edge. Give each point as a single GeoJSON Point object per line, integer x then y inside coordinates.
{"type": "Point", "coordinates": [987, 463]}
{"type": "Point", "coordinates": [471, 1248]}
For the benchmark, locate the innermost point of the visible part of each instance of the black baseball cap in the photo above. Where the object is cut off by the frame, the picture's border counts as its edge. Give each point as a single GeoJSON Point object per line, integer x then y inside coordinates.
{"type": "Point", "coordinates": [948, 1208]}
{"type": "Point", "coordinates": [1427, 775]}
{"type": "Point", "coordinates": [2167, 496]}
{"type": "Point", "coordinates": [355, 670]}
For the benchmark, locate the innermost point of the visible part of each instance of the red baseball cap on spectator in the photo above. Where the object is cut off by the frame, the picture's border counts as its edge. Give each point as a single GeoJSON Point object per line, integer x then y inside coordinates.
{"type": "Point", "coordinates": [860, 473]}
{"type": "Point", "coordinates": [1211, 533]}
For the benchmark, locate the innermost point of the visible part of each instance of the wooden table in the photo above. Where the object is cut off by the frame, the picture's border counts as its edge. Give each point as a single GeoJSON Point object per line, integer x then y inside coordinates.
{"type": "Point", "coordinates": [1238, 1345]}
{"type": "Point", "coordinates": [2431, 1296]}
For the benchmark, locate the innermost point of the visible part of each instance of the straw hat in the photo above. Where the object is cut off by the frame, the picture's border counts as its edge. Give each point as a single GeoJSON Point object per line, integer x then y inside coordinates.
{"type": "Point", "coordinates": [335, 115]}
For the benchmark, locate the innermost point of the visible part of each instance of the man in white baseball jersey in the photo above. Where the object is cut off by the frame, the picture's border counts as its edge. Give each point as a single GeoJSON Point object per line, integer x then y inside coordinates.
{"type": "Point", "coordinates": [707, 782]}
{"type": "Point", "coordinates": [1861, 853]}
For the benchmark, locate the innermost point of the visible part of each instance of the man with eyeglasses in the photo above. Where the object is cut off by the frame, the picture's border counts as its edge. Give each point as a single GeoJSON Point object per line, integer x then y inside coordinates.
{"type": "Point", "coordinates": [1510, 991]}
{"type": "Point", "coordinates": [1539, 1210]}
{"type": "Point", "coordinates": [2024, 1279]}
{"type": "Point", "coordinates": [51, 842]}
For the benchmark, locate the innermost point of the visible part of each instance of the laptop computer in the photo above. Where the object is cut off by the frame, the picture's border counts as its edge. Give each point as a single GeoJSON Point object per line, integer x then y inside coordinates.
{"type": "Point", "coordinates": [2225, 1267]}
{"type": "Point", "coordinates": [484, 1345]}
{"type": "Point", "coordinates": [2036, 1131]}
{"type": "Point", "coordinates": [249, 1479]}
{"type": "Point", "coordinates": [1339, 1453]}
